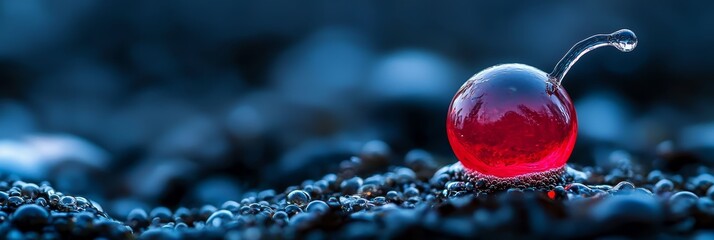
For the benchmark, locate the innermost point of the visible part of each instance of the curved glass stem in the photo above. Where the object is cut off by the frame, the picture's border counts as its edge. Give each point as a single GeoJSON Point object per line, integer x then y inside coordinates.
{"type": "Point", "coordinates": [624, 40]}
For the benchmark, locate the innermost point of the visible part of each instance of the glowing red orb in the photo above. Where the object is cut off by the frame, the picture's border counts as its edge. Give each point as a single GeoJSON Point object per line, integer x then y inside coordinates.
{"type": "Point", "coordinates": [511, 120]}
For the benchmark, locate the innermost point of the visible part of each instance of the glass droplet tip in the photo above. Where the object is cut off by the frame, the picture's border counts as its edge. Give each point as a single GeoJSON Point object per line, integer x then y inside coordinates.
{"type": "Point", "coordinates": [624, 40]}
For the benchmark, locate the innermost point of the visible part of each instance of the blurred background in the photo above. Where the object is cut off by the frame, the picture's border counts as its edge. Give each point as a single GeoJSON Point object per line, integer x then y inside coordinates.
{"type": "Point", "coordinates": [139, 103]}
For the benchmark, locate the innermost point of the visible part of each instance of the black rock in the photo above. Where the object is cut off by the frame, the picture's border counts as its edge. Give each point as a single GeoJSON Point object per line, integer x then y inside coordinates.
{"type": "Point", "coordinates": [626, 214]}
{"type": "Point", "coordinates": [30, 217]}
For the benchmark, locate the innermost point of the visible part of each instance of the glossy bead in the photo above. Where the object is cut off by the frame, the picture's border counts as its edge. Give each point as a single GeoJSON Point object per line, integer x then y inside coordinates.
{"type": "Point", "coordinates": [511, 120]}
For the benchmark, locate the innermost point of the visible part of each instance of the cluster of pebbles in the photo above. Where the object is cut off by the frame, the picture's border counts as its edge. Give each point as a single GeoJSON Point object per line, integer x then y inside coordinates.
{"type": "Point", "coordinates": [417, 200]}
{"type": "Point", "coordinates": [32, 211]}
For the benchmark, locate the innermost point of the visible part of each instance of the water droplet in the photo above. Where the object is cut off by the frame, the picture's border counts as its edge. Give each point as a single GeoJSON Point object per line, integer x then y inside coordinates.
{"type": "Point", "coordinates": [624, 40]}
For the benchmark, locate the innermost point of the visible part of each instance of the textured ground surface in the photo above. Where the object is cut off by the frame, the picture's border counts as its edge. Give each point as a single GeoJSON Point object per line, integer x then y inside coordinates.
{"type": "Point", "coordinates": [415, 200]}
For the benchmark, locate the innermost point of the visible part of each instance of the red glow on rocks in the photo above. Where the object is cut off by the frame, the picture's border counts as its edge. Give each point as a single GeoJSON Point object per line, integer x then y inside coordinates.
{"type": "Point", "coordinates": [551, 194]}
{"type": "Point", "coordinates": [510, 120]}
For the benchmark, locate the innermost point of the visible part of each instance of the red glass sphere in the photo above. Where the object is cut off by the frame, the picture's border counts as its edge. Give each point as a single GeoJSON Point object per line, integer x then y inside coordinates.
{"type": "Point", "coordinates": [511, 120]}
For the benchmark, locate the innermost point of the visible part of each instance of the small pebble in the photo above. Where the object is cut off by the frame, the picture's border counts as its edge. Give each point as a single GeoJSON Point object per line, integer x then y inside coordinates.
{"type": "Point", "coordinates": [298, 197]}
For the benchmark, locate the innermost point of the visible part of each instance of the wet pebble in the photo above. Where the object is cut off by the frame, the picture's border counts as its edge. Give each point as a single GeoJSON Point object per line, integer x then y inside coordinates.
{"type": "Point", "coordinates": [317, 206]}
{"type": "Point", "coordinates": [619, 212]}
{"type": "Point", "coordinates": [298, 197]}
{"type": "Point", "coordinates": [219, 218]}
{"type": "Point", "coordinates": [30, 191]}
{"type": "Point", "coordinates": [663, 185]}
{"type": "Point", "coordinates": [351, 186]}
{"type": "Point", "coordinates": [162, 213]}
{"type": "Point", "coordinates": [68, 202]}
{"type": "Point", "coordinates": [30, 217]}
{"type": "Point", "coordinates": [682, 202]}
{"type": "Point", "coordinates": [137, 218]}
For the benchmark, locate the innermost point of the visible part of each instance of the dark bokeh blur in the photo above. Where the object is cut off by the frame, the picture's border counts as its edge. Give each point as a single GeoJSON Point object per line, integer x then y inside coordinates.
{"type": "Point", "coordinates": [183, 102]}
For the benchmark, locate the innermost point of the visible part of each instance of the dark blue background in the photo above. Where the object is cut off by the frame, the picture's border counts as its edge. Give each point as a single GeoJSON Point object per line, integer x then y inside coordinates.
{"type": "Point", "coordinates": [185, 102]}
